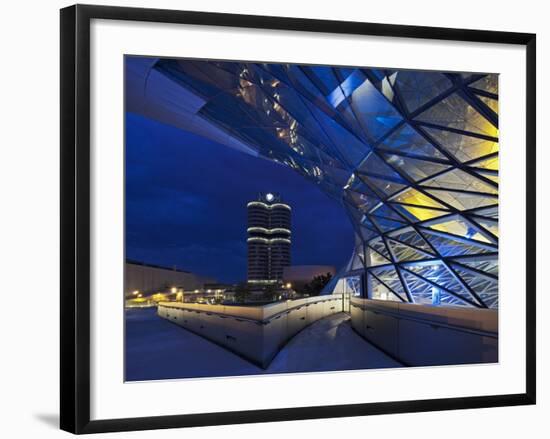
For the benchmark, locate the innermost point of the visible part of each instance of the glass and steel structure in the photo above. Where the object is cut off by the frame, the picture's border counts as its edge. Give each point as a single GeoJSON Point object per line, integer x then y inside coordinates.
{"type": "Point", "coordinates": [412, 156]}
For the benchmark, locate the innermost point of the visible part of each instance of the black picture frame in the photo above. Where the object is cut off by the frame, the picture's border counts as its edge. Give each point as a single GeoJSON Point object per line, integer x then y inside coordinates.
{"type": "Point", "coordinates": [75, 217]}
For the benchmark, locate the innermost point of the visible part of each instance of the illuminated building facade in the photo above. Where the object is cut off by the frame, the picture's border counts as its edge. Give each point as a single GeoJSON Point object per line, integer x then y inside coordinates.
{"type": "Point", "coordinates": [269, 239]}
{"type": "Point", "coordinates": [412, 156]}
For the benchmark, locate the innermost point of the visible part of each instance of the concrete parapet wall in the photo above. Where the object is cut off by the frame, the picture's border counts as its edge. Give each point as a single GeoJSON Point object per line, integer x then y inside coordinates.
{"type": "Point", "coordinates": [421, 335]}
{"type": "Point", "coordinates": [256, 333]}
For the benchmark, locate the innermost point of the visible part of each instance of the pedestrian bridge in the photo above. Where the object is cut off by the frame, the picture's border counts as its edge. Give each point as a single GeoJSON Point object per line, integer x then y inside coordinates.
{"type": "Point", "coordinates": [159, 350]}
{"type": "Point", "coordinates": [256, 333]}
{"type": "Point", "coordinates": [412, 334]}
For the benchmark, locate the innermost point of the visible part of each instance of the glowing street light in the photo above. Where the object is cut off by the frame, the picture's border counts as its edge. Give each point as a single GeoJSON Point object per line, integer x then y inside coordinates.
{"type": "Point", "coordinates": [173, 290]}
{"type": "Point", "coordinates": [135, 293]}
{"type": "Point", "coordinates": [289, 285]}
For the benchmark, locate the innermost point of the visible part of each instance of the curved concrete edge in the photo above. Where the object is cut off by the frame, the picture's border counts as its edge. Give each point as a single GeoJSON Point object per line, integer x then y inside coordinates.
{"type": "Point", "coordinates": [254, 333]}
{"type": "Point", "coordinates": [423, 335]}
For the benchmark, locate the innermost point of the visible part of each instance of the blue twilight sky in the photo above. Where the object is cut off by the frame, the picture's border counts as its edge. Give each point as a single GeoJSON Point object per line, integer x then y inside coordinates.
{"type": "Point", "coordinates": [186, 202]}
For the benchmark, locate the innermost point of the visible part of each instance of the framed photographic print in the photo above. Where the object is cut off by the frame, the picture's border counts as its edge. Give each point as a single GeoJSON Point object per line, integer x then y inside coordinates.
{"type": "Point", "coordinates": [283, 219]}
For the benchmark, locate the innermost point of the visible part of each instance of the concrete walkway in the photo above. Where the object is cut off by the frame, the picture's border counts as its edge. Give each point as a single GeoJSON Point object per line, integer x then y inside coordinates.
{"type": "Point", "coordinates": [157, 349]}
{"type": "Point", "coordinates": [329, 344]}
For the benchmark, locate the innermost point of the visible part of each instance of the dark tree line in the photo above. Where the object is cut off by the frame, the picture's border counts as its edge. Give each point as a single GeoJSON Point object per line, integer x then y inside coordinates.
{"type": "Point", "coordinates": [316, 285]}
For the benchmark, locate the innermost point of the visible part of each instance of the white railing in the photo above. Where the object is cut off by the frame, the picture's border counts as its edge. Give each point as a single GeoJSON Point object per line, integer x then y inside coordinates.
{"type": "Point", "coordinates": [423, 335]}
{"type": "Point", "coordinates": [256, 333]}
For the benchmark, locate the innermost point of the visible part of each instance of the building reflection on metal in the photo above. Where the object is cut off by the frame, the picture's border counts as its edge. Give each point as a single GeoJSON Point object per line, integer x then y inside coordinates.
{"type": "Point", "coordinates": [412, 156]}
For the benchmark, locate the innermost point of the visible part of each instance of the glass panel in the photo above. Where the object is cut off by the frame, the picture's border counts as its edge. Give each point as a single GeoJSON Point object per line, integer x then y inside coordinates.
{"type": "Point", "coordinates": [417, 88]}
{"type": "Point", "coordinates": [374, 165]}
{"type": "Point", "coordinates": [339, 176]}
{"type": "Point", "coordinates": [458, 179]}
{"type": "Point", "coordinates": [413, 238]}
{"type": "Point", "coordinates": [363, 202]}
{"type": "Point", "coordinates": [463, 147]}
{"type": "Point", "coordinates": [348, 145]}
{"type": "Point", "coordinates": [490, 175]}
{"type": "Point", "coordinates": [389, 276]}
{"type": "Point", "coordinates": [386, 86]}
{"type": "Point", "coordinates": [407, 140]}
{"type": "Point", "coordinates": [374, 112]}
{"type": "Point", "coordinates": [367, 234]}
{"type": "Point", "coordinates": [448, 246]}
{"type": "Point", "coordinates": [346, 87]}
{"type": "Point", "coordinates": [455, 112]}
{"type": "Point", "coordinates": [462, 201]}
{"type": "Point", "coordinates": [388, 188]}
{"type": "Point", "coordinates": [325, 76]}
{"type": "Point", "coordinates": [384, 211]}
{"type": "Point", "coordinates": [428, 294]}
{"type": "Point", "coordinates": [458, 226]}
{"type": "Point", "coordinates": [488, 83]}
{"type": "Point", "coordinates": [488, 264]}
{"type": "Point", "coordinates": [412, 196]}
{"type": "Point", "coordinates": [379, 291]}
{"type": "Point", "coordinates": [486, 288]}
{"type": "Point", "coordinates": [491, 103]}
{"type": "Point", "coordinates": [385, 224]}
{"type": "Point", "coordinates": [348, 118]}
{"type": "Point", "coordinates": [298, 79]}
{"type": "Point", "coordinates": [374, 258]}
{"type": "Point", "coordinates": [489, 212]}
{"type": "Point", "coordinates": [357, 262]}
{"type": "Point", "coordinates": [380, 247]}
{"type": "Point", "coordinates": [417, 213]}
{"type": "Point", "coordinates": [491, 163]}
{"type": "Point", "coordinates": [353, 285]}
{"type": "Point", "coordinates": [438, 273]}
{"type": "Point", "coordinates": [490, 225]}
{"type": "Point", "coordinates": [414, 168]}
{"type": "Point", "coordinates": [405, 253]}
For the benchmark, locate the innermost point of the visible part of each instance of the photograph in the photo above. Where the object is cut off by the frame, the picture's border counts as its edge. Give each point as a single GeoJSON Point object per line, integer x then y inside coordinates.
{"type": "Point", "coordinates": [293, 218]}
{"type": "Point", "coordinates": [271, 220]}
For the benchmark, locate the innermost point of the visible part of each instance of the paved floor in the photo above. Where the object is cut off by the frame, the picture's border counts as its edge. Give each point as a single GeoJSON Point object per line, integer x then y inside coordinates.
{"type": "Point", "coordinates": [329, 344]}
{"type": "Point", "coordinates": [158, 349]}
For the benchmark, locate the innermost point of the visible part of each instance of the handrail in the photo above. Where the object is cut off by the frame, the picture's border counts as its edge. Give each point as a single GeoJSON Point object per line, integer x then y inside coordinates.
{"type": "Point", "coordinates": [200, 311]}
{"type": "Point", "coordinates": [259, 321]}
{"type": "Point", "coordinates": [288, 310]}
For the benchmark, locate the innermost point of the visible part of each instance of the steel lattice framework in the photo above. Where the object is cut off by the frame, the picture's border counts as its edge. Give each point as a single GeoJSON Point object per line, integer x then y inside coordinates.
{"type": "Point", "coordinates": [411, 155]}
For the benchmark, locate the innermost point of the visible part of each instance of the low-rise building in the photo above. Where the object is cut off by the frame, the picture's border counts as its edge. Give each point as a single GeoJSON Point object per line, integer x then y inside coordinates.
{"type": "Point", "coordinates": [147, 279]}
